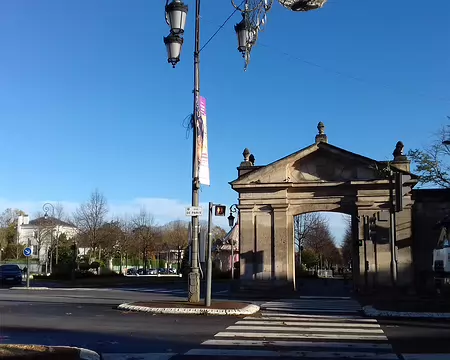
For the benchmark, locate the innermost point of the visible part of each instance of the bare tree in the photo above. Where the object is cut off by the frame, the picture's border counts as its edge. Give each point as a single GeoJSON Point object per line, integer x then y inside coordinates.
{"type": "Point", "coordinates": [347, 244]}
{"type": "Point", "coordinates": [125, 241]}
{"type": "Point", "coordinates": [176, 236]}
{"type": "Point", "coordinates": [89, 218]}
{"type": "Point", "coordinates": [146, 234]}
{"type": "Point", "coordinates": [305, 224]}
{"type": "Point", "coordinates": [321, 242]}
{"type": "Point", "coordinates": [59, 212]}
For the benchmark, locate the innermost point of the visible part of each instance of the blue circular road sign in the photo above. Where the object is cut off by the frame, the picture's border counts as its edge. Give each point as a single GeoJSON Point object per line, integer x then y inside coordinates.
{"type": "Point", "coordinates": [28, 251]}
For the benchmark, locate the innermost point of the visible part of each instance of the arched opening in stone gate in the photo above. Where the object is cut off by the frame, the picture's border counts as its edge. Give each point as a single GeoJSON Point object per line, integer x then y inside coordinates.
{"type": "Point", "coordinates": [322, 241]}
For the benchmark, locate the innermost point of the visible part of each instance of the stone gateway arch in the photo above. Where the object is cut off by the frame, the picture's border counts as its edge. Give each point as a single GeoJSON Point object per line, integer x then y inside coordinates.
{"type": "Point", "coordinates": [322, 177]}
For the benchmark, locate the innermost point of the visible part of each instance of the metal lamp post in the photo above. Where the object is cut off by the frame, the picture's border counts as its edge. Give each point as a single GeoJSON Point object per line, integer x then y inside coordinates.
{"type": "Point", "coordinates": [176, 13]}
{"type": "Point", "coordinates": [47, 207]}
{"type": "Point", "coordinates": [254, 18]}
{"type": "Point", "coordinates": [233, 209]}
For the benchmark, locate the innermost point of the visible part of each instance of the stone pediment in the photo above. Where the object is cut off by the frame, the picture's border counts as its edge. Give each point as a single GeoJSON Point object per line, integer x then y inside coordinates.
{"type": "Point", "coordinates": [320, 162]}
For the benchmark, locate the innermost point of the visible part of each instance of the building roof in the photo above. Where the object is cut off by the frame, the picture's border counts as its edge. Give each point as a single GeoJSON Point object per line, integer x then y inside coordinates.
{"type": "Point", "coordinates": [321, 146]}
{"type": "Point", "coordinates": [42, 221]}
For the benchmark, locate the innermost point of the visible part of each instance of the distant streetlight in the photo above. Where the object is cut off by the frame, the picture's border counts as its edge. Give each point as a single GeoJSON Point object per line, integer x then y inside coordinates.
{"type": "Point", "coordinates": [49, 208]}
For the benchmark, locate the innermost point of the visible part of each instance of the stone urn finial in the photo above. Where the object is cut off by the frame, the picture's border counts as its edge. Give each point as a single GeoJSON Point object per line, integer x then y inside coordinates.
{"type": "Point", "coordinates": [251, 158]}
{"type": "Point", "coordinates": [398, 152]}
{"type": "Point", "coordinates": [246, 154]}
{"type": "Point", "coordinates": [321, 136]}
{"type": "Point", "coordinates": [321, 128]}
{"type": "Point", "coordinates": [247, 161]}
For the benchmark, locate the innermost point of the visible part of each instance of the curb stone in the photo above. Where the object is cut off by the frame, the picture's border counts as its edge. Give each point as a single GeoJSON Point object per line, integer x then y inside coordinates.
{"type": "Point", "coordinates": [85, 354]}
{"type": "Point", "coordinates": [248, 310]}
{"type": "Point", "coordinates": [29, 288]}
{"type": "Point", "coordinates": [371, 311]}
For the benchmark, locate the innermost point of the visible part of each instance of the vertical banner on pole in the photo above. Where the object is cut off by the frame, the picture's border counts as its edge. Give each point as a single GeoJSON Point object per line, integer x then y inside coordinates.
{"type": "Point", "coordinates": [202, 143]}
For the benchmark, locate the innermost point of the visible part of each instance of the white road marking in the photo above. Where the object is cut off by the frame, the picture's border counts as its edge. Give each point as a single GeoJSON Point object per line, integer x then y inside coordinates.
{"type": "Point", "coordinates": [315, 310]}
{"type": "Point", "coordinates": [305, 328]}
{"type": "Point", "coordinates": [317, 317]}
{"type": "Point", "coordinates": [285, 317]}
{"type": "Point", "coordinates": [305, 323]}
{"type": "Point", "coordinates": [302, 336]}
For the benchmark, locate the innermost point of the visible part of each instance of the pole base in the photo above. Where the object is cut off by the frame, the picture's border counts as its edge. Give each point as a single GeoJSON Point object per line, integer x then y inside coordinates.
{"type": "Point", "coordinates": [194, 287]}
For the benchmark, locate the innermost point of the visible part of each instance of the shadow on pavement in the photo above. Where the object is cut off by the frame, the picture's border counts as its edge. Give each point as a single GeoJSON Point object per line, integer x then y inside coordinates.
{"type": "Point", "coordinates": [98, 341]}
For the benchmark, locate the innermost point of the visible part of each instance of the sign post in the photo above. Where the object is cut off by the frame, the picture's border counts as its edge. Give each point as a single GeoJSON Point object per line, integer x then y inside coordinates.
{"type": "Point", "coordinates": [219, 211]}
{"type": "Point", "coordinates": [28, 251]}
{"type": "Point", "coordinates": [194, 211]}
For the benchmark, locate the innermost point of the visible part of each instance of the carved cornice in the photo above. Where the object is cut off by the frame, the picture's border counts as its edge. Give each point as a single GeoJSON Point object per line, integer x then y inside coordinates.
{"type": "Point", "coordinates": [279, 207]}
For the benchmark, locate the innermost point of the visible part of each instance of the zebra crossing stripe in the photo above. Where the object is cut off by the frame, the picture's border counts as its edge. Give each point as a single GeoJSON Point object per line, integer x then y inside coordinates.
{"type": "Point", "coordinates": [312, 306]}
{"type": "Point", "coordinates": [317, 317]}
{"type": "Point", "coordinates": [268, 335]}
{"type": "Point", "coordinates": [306, 329]}
{"type": "Point", "coordinates": [315, 310]}
{"type": "Point", "coordinates": [303, 329]}
{"type": "Point", "coordinates": [303, 344]}
{"type": "Point", "coordinates": [296, 354]}
{"type": "Point", "coordinates": [284, 317]}
{"type": "Point", "coordinates": [306, 323]}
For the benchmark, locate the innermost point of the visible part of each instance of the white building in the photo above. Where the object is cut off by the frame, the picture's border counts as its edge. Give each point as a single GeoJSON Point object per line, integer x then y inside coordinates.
{"type": "Point", "coordinates": [40, 232]}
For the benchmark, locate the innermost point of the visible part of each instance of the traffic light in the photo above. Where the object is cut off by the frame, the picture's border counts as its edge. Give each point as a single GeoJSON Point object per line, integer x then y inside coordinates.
{"type": "Point", "coordinates": [220, 210]}
{"type": "Point", "coordinates": [360, 242]}
{"type": "Point", "coordinates": [401, 189]}
{"type": "Point", "coordinates": [372, 227]}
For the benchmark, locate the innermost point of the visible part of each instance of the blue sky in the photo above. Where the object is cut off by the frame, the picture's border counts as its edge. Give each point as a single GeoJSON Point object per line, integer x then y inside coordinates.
{"type": "Point", "coordinates": [88, 100]}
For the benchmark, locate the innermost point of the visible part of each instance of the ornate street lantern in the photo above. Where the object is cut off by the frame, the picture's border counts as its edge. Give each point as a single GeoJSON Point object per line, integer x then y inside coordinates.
{"type": "Point", "coordinates": [176, 13]}
{"type": "Point", "coordinates": [173, 44]}
{"type": "Point", "coordinates": [242, 33]}
{"type": "Point", "coordinates": [302, 5]}
{"type": "Point", "coordinates": [231, 220]}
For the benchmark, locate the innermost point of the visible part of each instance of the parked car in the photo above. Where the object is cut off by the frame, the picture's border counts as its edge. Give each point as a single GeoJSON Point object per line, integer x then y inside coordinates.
{"type": "Point", "coordinates": [10, 274]}
{"type": "Point", "coordinates": [132, 271]}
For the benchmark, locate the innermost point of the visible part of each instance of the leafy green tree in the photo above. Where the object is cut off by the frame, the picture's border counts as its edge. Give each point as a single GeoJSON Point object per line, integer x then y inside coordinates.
{"type": "Point", "coordinates": [432, 162]}
{"type": "Point", "coordinates": [309, 258]}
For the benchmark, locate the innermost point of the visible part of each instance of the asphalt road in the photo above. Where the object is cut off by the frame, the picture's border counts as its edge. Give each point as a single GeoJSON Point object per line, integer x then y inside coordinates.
{"type": "Point", "coordinates": [87, 318]}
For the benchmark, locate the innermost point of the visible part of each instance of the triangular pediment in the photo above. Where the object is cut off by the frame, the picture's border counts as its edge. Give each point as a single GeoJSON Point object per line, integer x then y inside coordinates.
{"type": "Point", "coordinates": [320, 162]}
